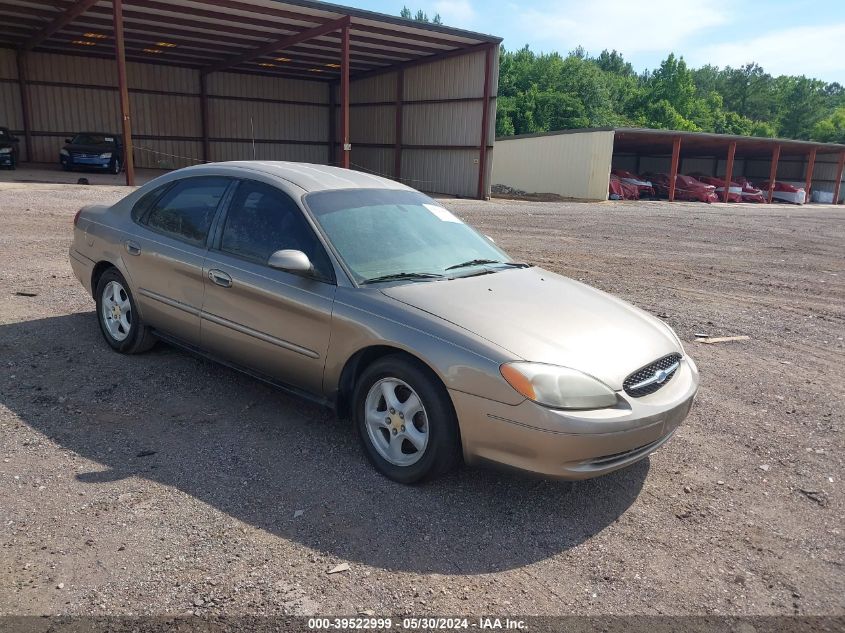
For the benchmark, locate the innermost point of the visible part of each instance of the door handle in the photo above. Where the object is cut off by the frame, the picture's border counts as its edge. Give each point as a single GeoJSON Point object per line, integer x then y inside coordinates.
{"type": "Point", "coordinates": [132, 248]}
{"type": "Point", "coordinates": [220, 278]}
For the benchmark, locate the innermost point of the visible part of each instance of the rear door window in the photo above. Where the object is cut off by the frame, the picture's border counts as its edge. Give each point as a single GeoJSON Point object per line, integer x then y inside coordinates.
{"type": "Point", "coordinates": [186, 211]}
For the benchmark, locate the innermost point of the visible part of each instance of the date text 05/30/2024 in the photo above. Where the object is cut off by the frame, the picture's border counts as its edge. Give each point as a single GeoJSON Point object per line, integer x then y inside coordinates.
{"type": "Point", "coordinates": [411, 623]}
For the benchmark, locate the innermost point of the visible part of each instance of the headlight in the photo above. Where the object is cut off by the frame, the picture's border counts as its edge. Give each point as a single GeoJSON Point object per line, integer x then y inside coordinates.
{"type": "Point", "coordinates": [5, 150]}
{"type": "Point", "coordinates": [64, 152]}
{"type": "Point", "coordinates": [558, 387]}
{"type": "Point", "coordinates": [105, 155]}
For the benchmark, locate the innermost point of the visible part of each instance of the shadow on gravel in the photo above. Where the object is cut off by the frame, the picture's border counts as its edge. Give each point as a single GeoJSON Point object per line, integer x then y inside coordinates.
{"type": "Point", "coordinates": [260, 456]}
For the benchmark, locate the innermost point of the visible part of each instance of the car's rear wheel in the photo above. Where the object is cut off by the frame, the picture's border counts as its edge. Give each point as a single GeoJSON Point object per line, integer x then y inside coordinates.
{"type": "Point", "coordinates": [120, 323]}
{"type": "Point", "coordinates": [405, 420]}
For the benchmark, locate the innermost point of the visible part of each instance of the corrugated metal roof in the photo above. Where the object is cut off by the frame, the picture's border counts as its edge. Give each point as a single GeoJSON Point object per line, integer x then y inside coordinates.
{"type": "Point", "coordinates": [206, 34]}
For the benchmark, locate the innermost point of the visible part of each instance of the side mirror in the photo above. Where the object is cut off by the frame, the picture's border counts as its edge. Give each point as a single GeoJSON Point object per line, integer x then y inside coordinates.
{"type": "Point", "coordinates": [290, 261]}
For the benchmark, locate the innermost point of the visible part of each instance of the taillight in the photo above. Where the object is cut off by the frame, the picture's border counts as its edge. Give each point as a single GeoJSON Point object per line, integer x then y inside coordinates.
{"type": "Point", "coordinates": [76, 217]}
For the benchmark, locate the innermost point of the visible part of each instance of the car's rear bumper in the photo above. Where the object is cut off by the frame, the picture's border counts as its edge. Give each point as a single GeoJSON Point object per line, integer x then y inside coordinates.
{"type": "Point", "coordinates": [573, 444]}
{"type": "Point", "coordinates": [82, 267]}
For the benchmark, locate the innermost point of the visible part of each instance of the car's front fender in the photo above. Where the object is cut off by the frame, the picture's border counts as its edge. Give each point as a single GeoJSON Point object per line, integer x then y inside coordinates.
{"type": "Point", "coordinates": [364, 318]}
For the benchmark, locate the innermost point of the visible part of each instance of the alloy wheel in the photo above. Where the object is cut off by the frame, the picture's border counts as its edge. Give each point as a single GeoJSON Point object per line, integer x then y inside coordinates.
{"type": "Point", "coordinates": [396, 421]}
{"type": "Point", "coordinates": [116, 311]}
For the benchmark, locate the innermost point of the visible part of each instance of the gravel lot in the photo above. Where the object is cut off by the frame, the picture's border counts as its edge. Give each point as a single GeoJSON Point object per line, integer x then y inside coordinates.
{"type": "Point", "coordinates": [163, 483]}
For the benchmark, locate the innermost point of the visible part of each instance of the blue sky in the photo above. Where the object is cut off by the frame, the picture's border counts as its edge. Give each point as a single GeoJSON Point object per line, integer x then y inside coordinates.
{"type": "Point", "coordinates": [797, 37]}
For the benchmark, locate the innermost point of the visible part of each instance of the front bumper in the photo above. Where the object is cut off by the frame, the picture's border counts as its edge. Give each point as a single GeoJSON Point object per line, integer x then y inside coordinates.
{"type": "Point", "coordinates": [82, 161]}
{"type": "Point", "coordinates": [574, 444]}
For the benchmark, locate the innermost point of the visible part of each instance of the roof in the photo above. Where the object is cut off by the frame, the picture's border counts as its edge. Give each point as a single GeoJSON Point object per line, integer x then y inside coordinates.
{"type": "Point", "coordinates": [644, 140]}
{"type": "Point", "coordinates": [308, 176]}
{"type": "Point", "coordinates": [237, 35]}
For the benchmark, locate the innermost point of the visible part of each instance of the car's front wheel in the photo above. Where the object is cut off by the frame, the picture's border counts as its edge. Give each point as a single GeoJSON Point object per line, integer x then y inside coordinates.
{"type": "Point", "coordinates": [120, 323]}
{"type": "Point", "coordinates": [115, 166]}
{"type": "Point", "coordinates": [405, 420]}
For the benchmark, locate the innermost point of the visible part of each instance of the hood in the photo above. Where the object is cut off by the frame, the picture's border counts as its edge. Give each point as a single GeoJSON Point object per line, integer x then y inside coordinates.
{"type": "Point", "coordinates": [92, 149]}
{"type": "Point", "coordinates": [543, 317]}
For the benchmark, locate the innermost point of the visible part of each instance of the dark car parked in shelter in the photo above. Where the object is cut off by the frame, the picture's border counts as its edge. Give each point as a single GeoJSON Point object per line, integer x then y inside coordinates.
{"type": "Point", "coordinates": [8, 148]}
{"type": "Point", "coordinates": [92, 150]}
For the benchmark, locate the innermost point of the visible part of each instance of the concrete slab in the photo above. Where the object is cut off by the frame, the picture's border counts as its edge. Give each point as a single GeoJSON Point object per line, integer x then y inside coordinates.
{"type": "Point", "coordinates": [47, 173]}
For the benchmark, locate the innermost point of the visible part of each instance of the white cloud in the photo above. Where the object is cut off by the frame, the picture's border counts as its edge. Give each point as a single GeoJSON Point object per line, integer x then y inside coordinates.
{"type": "Point", "coordinates": [455, 12]}
{"type": "Point", "coordinates": [660, 25]}
{"type": "Point", "coordinates": [815, 51]}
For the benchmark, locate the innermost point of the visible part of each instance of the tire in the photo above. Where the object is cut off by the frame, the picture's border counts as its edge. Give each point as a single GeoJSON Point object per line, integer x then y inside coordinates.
{"type": "Point", "coordinates": [66, 166]}
{"type": "Point", "coordinates": [115, 166]}
{"type": "Point", "coordinates": [126, 334]}
{"type": "Point", "coordinates": [387, 438]}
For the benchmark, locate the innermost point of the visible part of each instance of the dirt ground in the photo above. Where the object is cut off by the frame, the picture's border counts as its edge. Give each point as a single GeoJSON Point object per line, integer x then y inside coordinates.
{"type": "Point", "coordinates": [163, 483]}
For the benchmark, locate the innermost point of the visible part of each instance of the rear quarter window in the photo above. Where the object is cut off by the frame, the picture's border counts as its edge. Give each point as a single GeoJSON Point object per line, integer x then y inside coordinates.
{"type": "Point", "coordinates": [139, 211]}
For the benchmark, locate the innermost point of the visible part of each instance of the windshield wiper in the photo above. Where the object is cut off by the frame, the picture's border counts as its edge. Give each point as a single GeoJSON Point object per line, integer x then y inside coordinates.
{"type": "Point", "coordinates": [479, 262]}
{"type": "Point", "coordinates": [474, 262]}
{"type": "Point", "coordinates": [398, 276]}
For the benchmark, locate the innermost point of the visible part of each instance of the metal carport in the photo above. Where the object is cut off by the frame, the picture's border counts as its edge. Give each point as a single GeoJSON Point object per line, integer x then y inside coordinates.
{"type": "Point", "coordinates": [202, 80]}
{"type": "Point", "coordinates": [719, 153]}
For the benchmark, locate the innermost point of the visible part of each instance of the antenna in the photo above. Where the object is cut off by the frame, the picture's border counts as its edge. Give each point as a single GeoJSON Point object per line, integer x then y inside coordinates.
{"type": "Point", "coordinates": [252, 127]}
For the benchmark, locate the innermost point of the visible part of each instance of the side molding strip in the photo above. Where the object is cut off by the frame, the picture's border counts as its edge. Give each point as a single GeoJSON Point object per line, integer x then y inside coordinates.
{"type": "Point", "coordinates": [213, 318]}
{"type": "Point", "coordinates": [168, 301]}
{"type": "Point", "coordinates": [259, 335]}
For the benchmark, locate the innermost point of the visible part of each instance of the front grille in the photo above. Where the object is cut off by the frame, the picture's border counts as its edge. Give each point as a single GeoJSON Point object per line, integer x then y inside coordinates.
{"type": "Point", "coordinates": [649, 379]}
{"type": "Point", "coordinates": [609, 460]}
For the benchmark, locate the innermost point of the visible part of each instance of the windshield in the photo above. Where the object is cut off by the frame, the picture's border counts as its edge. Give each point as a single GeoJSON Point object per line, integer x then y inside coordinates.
{"type": "Point", "coordinates": [387, 232]}
{"type": "Point", "coordinates": [92, 139]}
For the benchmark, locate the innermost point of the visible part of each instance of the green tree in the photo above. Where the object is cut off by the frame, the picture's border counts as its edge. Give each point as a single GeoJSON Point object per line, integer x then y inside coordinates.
{"type": "Point", "coordinates": [559, 111]}
{"type": "Point", "coordinates": [663, 115]}
{"type": "Point", "coordinates": [748, 91]}
{"type": "Point", "coordinates": [673, 83]}
{"type": "Point", "coordinates": [762, 128]}
{"type": "Point", "coordinates": [613, 62]}
{"type": "Point", "coordinates": [549, 91]}
{"type": "Point", "coordinates": [734, 123]}
{"type": "Point", "coordinates": [504, 113]}
{"type": "Point", "coordinates": [420, 16]}
{"type": "Point", "coordinates": [707, 79]}
{"type": "Point", "coordinates": [801, 106]}
{"type": "Point", "coordinates": [830, 129]}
